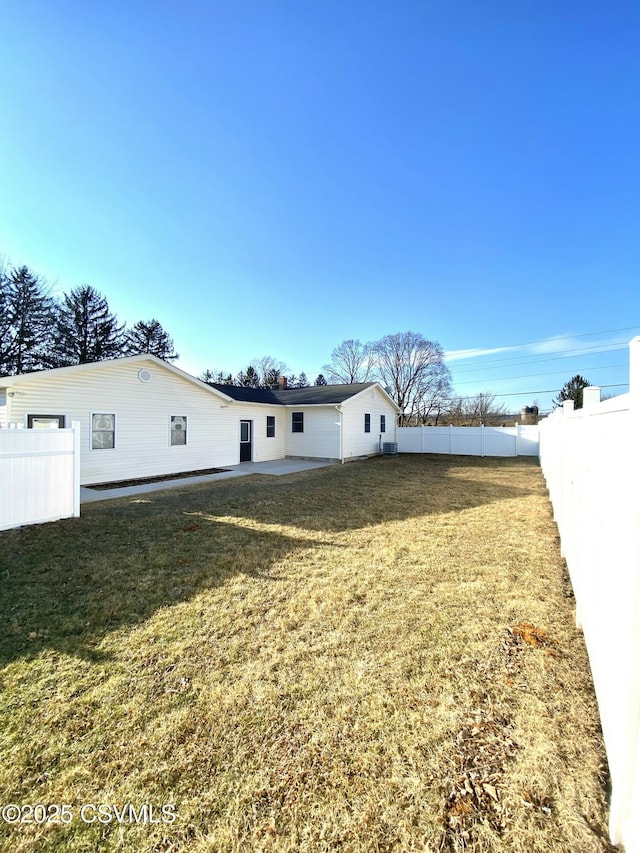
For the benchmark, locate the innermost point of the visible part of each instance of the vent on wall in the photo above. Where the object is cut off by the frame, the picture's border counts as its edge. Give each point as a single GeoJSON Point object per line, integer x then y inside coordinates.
{"type": "Point", "coordinates": [144, 375]}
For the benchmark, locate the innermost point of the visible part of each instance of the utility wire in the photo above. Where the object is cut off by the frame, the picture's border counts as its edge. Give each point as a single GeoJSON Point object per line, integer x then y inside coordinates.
{"type": "Point", "coordinates": [535, 360]}
{"type": "Point", "coordinates": [532, 393]}
{"type": "Point", "coordinates": [565, 338]}
{"type": "Point", "coordinates": [535, 375]}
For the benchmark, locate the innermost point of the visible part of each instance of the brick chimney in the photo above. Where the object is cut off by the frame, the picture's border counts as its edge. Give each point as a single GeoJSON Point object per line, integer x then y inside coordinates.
{"type": "Point", "coordinates": [282, 383]}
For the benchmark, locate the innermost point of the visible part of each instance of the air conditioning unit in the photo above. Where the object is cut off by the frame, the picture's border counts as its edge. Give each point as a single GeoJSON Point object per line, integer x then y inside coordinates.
{"type": "Point", "coordinates": [390, 448]}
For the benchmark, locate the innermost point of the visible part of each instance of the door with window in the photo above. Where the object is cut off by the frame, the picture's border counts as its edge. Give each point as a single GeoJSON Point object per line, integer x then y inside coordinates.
{"type": "Point", "coordinates": [246, 441]}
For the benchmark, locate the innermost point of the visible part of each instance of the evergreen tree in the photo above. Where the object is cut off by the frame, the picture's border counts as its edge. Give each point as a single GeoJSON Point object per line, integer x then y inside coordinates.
{"type": "Point", "coordinates": [150, 338]}
{"type": "Point", "coordinates": [86, 330]}
{"type": "Point", "coordinates": [248, 378]}
{"type": "Point", "coordinates": [320, 380]}
{"type": "Point", "coordinates": [27, 314]}
{"type": "Point", "coordinates": [572, 390]}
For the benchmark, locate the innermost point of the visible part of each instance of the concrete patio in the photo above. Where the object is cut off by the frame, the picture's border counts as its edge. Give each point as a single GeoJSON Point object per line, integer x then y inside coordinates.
{"type": "Point", "coordinates": [277, 468]}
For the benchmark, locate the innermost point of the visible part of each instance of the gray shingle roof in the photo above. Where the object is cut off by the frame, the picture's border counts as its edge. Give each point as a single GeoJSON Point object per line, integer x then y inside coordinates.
{"type": "Point", "coordinates": [315, 395]}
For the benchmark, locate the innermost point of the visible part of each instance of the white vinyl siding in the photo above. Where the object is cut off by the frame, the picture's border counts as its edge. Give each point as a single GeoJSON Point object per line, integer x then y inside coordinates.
{"type": "Point", "coordinates": [143, 411]}
{"type": "Point", "coordinates": [357, 442]}
{"type": "Point", "coordinates": [4, 408]}
{"type": "Point", "coordinates": [321, 436]}
{"type": "Point", "coordinates": [264, 449]}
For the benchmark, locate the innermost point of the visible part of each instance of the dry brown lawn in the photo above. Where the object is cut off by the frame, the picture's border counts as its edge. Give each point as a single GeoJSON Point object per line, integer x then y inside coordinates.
{"type": "Point", "coordinates": [375, 657]}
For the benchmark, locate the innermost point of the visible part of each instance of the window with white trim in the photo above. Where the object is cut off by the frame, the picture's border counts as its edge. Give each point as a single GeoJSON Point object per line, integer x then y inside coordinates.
{"type": "Point", "coordinates": [103, 431]}
{"type": "Point", "coordinates": [367, 422]}
{"type": "Point", "coordinates": [178, 430]}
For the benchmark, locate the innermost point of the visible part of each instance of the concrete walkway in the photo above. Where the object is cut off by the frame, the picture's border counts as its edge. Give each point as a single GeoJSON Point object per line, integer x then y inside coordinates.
{"type": "Point", "coordinates": [276, 469]}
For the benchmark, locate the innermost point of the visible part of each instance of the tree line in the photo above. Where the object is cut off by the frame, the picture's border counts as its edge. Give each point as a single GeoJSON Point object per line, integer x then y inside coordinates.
{"type": "Point", "coordinates": [38, 331]}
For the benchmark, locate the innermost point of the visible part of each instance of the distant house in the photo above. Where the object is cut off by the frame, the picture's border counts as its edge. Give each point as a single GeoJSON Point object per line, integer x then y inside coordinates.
{"type": "Point", "coordinates": [142, 417]}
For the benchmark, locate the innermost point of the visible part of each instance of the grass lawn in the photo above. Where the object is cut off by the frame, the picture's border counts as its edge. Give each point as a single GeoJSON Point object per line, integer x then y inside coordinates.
{"type": "Point", "coordinates": [380, 656]}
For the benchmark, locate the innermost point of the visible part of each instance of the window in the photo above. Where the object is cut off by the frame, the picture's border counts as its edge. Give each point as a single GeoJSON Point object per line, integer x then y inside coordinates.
{"type": "Point", "coordinates": [271, 426]}
{"type": "Point", "coordinates": [297, 421]}
{"type": "Point", "coordinates": [383, 423]}
{"type": "Point", "coordinates": [45, 421]}
{"type": "Point", "coordinates": [103, 431]}
{"type": "Point", "coordinates": [178, 430]}
{"type": "Point", "coordinates": [367, 422]}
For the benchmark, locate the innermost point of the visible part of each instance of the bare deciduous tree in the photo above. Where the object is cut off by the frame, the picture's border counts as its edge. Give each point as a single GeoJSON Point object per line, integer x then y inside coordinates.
{"type": "Point", "coordinates": [413, 370]}
{"type": "Point", "coordinates": [269, 370]}
{"type": "Point", "coordinates": [476, 411]}
{"type": "Point", "coordinates": [351, 361]}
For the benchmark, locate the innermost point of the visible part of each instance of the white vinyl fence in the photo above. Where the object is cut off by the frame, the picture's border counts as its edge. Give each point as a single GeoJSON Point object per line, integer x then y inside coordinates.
{"type": "Point", "coordinates": [591, 462]}
{"type": "Point", "coordinates": [39, 475]}
{"type": "Point", "coordinates": [469, 441]}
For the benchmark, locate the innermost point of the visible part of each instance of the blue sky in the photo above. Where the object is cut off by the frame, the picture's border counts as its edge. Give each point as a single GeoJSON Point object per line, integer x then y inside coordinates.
{"type": "Point", "coordinates": [272, 178]}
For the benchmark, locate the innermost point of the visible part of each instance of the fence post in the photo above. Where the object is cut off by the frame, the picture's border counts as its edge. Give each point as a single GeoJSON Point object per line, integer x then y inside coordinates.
{"type": "Point", "coordinates": [75, 425]}
{"type": "Point", "coordinates": [422, 439]}
{"type": "Point", "coordinates": [481, 439]}
{"type": "Point", "coordinates": [590, 396]}
{"type": "Point", "coordinates": [450, 437]}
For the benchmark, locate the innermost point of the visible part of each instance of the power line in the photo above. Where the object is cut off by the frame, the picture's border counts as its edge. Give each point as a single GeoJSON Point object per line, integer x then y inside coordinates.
{"type": "Point", "coordinates": [539, 360]}
{"type": "Point", "coordinates": [532, 393]}
{"type": "Point", "coordinates": [569, 337]}
{"type": "Point", "coordinates": [534, 375]}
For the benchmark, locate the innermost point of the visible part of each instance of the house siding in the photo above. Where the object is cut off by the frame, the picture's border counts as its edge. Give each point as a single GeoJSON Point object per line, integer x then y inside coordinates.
{"type": "Point", "coordinates": [264, 449]}
{"type": "Point", "coordinates": [321, 436]}
{"type": "Point", "coordinates": [357, 442]}
{"type": "Point", "coordinates": [4, 408]}
{"type": "Point", "coordinates": [142, 412]}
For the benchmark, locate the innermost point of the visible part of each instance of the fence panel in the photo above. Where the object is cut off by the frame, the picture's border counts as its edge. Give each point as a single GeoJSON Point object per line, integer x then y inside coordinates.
{"type": "Point", "coordinates": [591, 462]}
{"type": "Point", "coordinates": [470, 441]}
{"type": "Point", "coordinates": [39, 475]}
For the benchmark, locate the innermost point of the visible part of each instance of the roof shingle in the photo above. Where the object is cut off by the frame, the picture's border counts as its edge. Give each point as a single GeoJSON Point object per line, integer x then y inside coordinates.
{"type": "Point", "coordinates": [315, 395]}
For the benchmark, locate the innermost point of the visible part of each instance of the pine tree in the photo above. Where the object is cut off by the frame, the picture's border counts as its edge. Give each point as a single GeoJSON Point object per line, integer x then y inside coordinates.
{"type": "Point", "coordinates": [573, 390]}
{"type": "Point", "coordinates": [249, 378]}
{"type": "Point", "coordinates": [86, 330]}
{"type": "Point", "coordinates": [27, 314]}
{"type": "Point", "coordinates": [150, 338]}
{"type": "Point", "coordinates": [320, 380]}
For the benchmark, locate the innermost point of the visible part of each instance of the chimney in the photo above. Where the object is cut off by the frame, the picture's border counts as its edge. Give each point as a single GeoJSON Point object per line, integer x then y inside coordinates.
{"type": "Point", "coordinates": [282, 383]}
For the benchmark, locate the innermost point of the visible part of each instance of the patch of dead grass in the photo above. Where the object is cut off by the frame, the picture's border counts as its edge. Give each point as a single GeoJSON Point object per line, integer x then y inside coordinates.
{"type": "Point", "coordinates": [351, 658]}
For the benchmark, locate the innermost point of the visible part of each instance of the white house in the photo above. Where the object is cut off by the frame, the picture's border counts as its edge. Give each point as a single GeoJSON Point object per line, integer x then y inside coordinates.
{"type": "Point", "coordinates": [142, 417]}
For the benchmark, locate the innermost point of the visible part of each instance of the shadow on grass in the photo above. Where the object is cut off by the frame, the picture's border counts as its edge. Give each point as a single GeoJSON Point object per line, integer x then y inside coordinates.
{"type": "Point", "coordinates": [375, 491]}
{"type": "Point", "coordinates": [67, 584]}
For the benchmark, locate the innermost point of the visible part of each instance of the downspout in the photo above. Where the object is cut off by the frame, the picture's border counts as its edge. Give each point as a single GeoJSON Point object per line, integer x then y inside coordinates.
{"type": "Point", "coordinates": [341, 451]}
